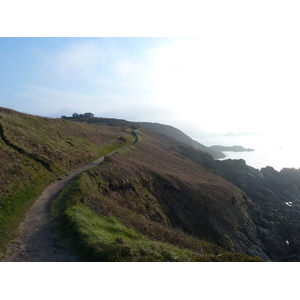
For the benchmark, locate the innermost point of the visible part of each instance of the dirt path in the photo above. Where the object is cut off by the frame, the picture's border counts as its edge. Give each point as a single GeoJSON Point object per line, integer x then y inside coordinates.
{"type": "Point", "coordinates": [39, 241]}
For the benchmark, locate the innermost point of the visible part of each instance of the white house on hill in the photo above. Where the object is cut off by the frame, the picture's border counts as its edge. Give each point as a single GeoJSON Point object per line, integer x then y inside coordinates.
{"type": "Point", "coordinates": [86, 115]}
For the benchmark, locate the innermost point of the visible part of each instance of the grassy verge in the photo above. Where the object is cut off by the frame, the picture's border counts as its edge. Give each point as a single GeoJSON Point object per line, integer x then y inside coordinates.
{"type": "Point", "coordinates": [106, 239]}
{"type": "Point", "coordinates": [13, 208]}
{"type": "Point", "coordinates": [104, 150]}
{"type": "Point", "coordinates": [99, 238]}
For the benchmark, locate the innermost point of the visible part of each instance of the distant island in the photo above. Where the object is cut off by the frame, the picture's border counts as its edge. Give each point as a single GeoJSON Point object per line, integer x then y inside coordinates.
{"type": "Point", "coordinates": [234, 148]}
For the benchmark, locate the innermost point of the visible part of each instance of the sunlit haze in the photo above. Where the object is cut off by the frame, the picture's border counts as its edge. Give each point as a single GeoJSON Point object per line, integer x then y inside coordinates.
{"type": "Point", "coordinates": [241, 74]}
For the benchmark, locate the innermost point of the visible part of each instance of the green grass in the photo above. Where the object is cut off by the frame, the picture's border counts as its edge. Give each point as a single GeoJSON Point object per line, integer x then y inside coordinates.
{"type": "Point", "coordinates": [14, 207]}
{"type": "Point", "coordinates": [104, 226]}
{"type": "Point", "coordinates": [34, 151]}
{"type": "Point", "coordinates": [107, 239]}
{"type": "Point", "coordinates": [57, 143]}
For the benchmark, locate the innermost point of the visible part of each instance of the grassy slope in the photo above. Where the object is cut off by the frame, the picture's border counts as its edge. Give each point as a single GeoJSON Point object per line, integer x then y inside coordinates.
{"type": "Point", "coordinates": [182, 137]}
{"type": "Point", "coordinates": [173, 208]}
{"type": "Point", "coordinates": [35, 150]}
{"type": "Point", "coordinates": [164, 129]}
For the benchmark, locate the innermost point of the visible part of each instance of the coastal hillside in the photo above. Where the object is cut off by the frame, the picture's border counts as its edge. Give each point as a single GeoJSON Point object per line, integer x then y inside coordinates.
{"type": "Point", "coordinates": [34, 151]}
{"type": "Point", "coordinates": [152, 192]}
{"type": "Point", "coordinates": [159, 199]}
{"type": "Point", "coordinates": [148, 199]}
{"type": "Point", "coordinates": [182, 137]}
{"type": "Point", "coordinates": [167, 130]}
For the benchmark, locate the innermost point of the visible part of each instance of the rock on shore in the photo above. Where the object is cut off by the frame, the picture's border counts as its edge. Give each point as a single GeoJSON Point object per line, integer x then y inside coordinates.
{"type": "Point", "coordinates": [274, 206]}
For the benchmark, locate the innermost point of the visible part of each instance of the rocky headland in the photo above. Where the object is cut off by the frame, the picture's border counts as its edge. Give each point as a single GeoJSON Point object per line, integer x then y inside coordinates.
{"type": "Point", "coordinates": [273, 201]}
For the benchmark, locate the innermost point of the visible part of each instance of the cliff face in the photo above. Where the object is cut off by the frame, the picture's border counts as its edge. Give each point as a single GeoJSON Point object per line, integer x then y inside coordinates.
{"type": "Point", "coordinates": [273, 204]}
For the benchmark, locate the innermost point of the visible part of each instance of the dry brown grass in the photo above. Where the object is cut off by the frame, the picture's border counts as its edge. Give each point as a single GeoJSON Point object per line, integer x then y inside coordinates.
{"type": "Point", "coordinates": [164, 195]}
{"type": "Point", "coordinates": [35, 150]}
{"type": "Point", "coordinates": [153, 187]}
{"type": "Point", "coordinates": [58, 143]}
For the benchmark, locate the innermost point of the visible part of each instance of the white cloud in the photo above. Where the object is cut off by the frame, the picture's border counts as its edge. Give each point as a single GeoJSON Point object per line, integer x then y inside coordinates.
{"type": "Point", "coordinates": [46, 101]}
{"type": "Point", "coordinates": [222, 82]}
{"type": "Point", "coordinates": [127, 74]}
{"type": "Point", "coordinates": [52, 102]}
{"type": "Point", "coordinates": [80, 59]}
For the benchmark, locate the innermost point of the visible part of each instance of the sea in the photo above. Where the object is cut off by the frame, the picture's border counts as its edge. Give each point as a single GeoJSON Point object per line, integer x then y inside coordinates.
{"type": "Point", "coordinates": [277, 151]}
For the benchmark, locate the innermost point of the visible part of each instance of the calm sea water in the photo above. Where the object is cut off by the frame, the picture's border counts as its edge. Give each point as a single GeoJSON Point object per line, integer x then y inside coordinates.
{"type": "Point", "coordinates": [278, 151]}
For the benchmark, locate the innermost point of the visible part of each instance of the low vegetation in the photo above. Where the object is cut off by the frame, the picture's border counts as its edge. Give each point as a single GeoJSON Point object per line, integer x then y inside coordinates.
{"type": "Point", "coordinates": [150, 203]}
{"type": "Point", "coordinates": [34, 151]}
{"type": "Point", "coordinates": [101, 238]}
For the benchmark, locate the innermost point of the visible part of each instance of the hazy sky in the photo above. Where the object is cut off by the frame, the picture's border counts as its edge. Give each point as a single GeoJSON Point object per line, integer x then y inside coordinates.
{"type": "Point", "coordinates": [241, 73]}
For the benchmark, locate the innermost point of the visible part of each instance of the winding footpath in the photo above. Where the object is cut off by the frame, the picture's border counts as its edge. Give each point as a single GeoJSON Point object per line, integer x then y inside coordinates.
{"type": "Point", "coordinates": [39, 240]}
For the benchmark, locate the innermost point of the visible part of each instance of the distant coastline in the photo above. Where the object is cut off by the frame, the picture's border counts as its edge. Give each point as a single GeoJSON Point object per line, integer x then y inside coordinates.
{"type": "Point", "coordinates": [276, 150]}
{"type": "Point", "coordinates": [234, 148]}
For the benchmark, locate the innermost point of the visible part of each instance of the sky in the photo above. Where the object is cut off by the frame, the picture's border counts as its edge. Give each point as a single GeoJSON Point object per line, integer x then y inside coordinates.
{"type": "Point", "coordinates": [225, 67]}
